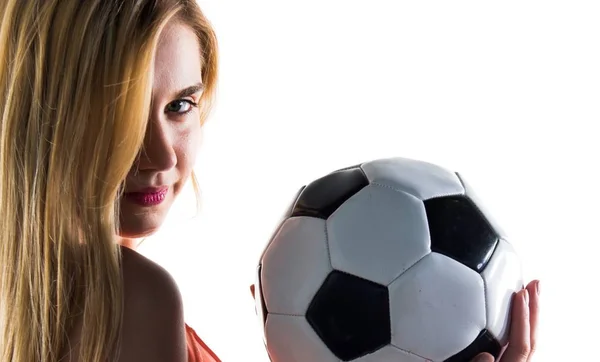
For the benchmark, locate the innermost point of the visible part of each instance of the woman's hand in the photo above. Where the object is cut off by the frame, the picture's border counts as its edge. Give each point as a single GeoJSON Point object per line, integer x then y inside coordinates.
{"type": "Point", "coordinates": [523, 328]}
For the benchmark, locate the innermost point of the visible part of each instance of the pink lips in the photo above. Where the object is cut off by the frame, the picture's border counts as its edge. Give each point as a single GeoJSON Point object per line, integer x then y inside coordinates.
{"type": "Point", "coordinates": [149, 196]}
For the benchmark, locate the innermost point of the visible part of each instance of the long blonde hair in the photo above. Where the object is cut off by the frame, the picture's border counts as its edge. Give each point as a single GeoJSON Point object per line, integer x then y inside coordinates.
{"type": "Point", "coordinates": [75, 93]}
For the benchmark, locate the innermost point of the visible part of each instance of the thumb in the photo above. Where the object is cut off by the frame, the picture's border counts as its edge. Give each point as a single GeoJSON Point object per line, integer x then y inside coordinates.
{"type": "Point", "coordinates": [483, 357]}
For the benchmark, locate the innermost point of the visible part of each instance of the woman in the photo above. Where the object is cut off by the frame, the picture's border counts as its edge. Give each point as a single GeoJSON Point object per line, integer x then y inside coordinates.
{"type": "Point", "coordinates": [101, 108]}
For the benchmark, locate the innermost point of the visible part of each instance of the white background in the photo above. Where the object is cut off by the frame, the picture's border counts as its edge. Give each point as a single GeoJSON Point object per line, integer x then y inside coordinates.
{"type": "Point", "coordinates": [507, 93]}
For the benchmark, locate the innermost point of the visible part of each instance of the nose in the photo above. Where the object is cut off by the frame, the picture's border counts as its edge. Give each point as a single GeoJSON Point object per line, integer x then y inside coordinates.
{"type": "Point", "coordinates": [158, 153]}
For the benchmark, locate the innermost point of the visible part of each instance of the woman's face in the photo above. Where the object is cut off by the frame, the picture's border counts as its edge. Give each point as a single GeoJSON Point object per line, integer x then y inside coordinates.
{"type": "Point", "coordinates": [172, 137]}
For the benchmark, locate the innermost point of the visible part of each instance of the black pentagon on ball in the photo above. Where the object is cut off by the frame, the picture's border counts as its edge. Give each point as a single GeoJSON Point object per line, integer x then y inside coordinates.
{"type": "Point", "coordinates": [459, 230]}
{"type": "Point", "coordinates": [323, 196]}
{"type": "Point", "coordinates": [292, 205]}
{"type": "Point", "coordinates": [351, 315]}
{"type": "Point", "coordinates": [484, 342]}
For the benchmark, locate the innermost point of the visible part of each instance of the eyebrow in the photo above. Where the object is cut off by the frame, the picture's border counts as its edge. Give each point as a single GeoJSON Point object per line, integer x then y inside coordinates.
{"type": "Point", "coordinates": [190, 90]}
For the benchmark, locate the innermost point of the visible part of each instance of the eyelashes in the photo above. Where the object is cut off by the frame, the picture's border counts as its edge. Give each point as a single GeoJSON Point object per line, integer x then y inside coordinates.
{"type": "Point", "coordinates": [181, 107]}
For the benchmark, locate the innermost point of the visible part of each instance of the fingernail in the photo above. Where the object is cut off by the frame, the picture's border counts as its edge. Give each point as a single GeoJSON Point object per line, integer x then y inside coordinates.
{"type": "Point", "coordinates": [537, 287]}
{"type": "Point", "coordinates": [526, 296]}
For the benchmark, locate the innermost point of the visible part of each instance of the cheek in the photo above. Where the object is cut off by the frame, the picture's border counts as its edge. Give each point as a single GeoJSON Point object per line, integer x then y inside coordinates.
{"type": "Point", "coordinates": [187, 145]}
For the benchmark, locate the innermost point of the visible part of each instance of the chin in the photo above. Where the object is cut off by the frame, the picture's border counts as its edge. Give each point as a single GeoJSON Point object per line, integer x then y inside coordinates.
{"type": "Point", "coordinates": [139, 225]}
{"type": "Point", "coordinates": [138, 232]}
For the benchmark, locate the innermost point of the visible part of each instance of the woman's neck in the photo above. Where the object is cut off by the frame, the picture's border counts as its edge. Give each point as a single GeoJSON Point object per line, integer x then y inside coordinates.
{"type": "Point", "coordinates": [130, 243]}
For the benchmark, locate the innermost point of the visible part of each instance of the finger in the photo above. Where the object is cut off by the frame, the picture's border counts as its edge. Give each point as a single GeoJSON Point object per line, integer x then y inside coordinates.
{"type": "Point", "coordinates": [534, 296]}
{"type": "Point", "coordinates": [519, 341]}
{"type": "Point", "coordinates": [483, 357]}
{"type": "Point", "coordinates": [252, 292]}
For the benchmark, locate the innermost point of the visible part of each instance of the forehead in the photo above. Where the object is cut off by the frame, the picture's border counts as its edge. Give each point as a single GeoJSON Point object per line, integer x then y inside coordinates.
{"type": "Point", "coordinates": [177, 61]}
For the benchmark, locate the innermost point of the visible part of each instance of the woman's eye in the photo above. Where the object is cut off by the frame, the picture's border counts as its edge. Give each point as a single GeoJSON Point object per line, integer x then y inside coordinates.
{"type": "Point", "coordinates": [181, 106]}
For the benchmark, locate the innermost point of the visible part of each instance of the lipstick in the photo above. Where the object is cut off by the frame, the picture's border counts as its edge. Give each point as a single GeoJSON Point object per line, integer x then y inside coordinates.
{"type": "Point", "coordinates": [148, 197]}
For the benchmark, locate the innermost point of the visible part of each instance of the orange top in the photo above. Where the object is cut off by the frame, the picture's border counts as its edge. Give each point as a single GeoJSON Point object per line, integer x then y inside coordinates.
{"type": "Point", "coordinates": [198, 351]}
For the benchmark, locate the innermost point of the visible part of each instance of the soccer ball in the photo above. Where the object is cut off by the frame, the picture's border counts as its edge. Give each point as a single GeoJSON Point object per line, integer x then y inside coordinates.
{"type": "Point", "coordinates": [391, 260]}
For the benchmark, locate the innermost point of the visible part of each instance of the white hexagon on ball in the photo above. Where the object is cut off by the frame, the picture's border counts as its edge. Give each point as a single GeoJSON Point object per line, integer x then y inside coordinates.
{"type": "Point", "coordinates": [437, 308]}
{"type": "Point", "coordinates": [295, 265]}
{"type": "Point", "coordinates": [378, 233]}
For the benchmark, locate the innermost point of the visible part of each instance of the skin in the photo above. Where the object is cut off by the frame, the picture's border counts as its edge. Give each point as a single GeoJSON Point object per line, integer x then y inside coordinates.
{"type": "Point", "coordinates": [524, 327]}
{"type": "Point", "coordinates": [523, 330]}
{"type": "Point", "coordinates": [172, 139]}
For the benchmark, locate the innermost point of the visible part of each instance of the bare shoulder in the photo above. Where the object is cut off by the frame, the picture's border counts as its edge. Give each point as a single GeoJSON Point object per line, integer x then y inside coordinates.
{"type": "Point", "coordinates": [153, 323]}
